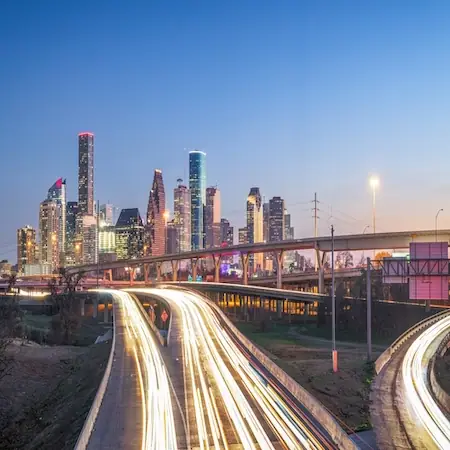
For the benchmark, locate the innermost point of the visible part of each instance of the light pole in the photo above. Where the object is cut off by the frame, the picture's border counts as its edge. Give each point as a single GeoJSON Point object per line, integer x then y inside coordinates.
{"type": "Point", "coordinates": [436, 223]}
{"type": "Point", "coordinates": [333, 305]}
{"type": "Point", "coordinates": [374, 183]}
{"type": "Point", "coordinates": [365, 228]}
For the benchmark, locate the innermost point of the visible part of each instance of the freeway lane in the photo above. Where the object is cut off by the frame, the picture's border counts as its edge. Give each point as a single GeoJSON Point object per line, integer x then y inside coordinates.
{"type": "Point", "coordinates": [136, 411]}
{"type": "Point", "coordinates": [416, 386]}
{"type": "Point", "coordinates": [232, 402]}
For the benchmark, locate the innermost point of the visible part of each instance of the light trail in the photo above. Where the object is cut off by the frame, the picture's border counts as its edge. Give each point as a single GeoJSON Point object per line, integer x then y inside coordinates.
{"type": "Point", "coordinates": [261, 416]}
{"type": "Point", "coordinates": [157, 414]}
{"type": "Point", "coordinates": [415, 381]}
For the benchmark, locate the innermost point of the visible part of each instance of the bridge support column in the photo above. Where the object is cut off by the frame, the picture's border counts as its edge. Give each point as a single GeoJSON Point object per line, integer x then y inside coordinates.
{"type": "Point", "coordinates": [175, 264]}
{"type": "Point", "coordinates": [146, 272]}
{"type": "Point", "coordinates": [194, 266]}
{"type": "Point", "coordinates": [158, 271]}
{"type": "Point", "coordinates": [132, 272]}
{"type": "Point", "coordinates": [105, 311]}
{"type": "Point", "coordinates": [244, 260]}
{"type": "Point", "coordinates": [217, 258]}
{"type": "Point", "coordinates": [95, 306]}
{"type": "Point", "coordinates": [279, 260]}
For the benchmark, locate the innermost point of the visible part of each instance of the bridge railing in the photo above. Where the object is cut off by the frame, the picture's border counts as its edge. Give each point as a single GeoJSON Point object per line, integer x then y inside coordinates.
{"type": "Point", "coordinates": [386, 356]}
{"type": "Point", "coordinates": [85, 435]}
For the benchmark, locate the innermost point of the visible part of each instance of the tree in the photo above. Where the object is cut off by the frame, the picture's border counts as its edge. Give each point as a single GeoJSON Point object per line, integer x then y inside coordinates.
{"type": "Point", "coordinates": [309, 265]}
{"type": "Point", "coordinates": [344, 260]}
{"type": "Point", "coordinates": [376, 263]}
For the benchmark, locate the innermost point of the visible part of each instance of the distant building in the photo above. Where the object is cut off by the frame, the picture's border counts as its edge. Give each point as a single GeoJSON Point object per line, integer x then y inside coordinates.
{"type": "Point", "coordinates": [58, 193]}
{"type": "Point", "coordinates": [156, 217]}
{"type": "Point", "coordinates": [86, 174]}
{"type": "Point", "coordinates": [89, 240]}
{"type": "Point", "coordinates": [129, 234]}
{"type": "Point", "coordinates": [226, 233]}
{"type": "Point", "coordinates": [212, 218]}
{"type": "Point", "coordinates": [172, 244]}
{"type": "Point", "coordinates": [49, 221]}
{"type": "Point", "coordinates": [266, 222]}
{"type": "Point", "coordinates": [71, 228]}
{"type": "Point", "coordinates": [288, 229]}
{"type": "Point", "coordinates": [182, 216]}
{"type": "Point", "coordinates": [197, 187]}
{"type": "Point", "coordinates": [26, 247]}
{"type": "Point", "coordinates": [255, 227]}
{"type": "Point", "coordinates": [5, 268]}
{"type": "Point", "coordinates": [243, 235]}
{"type": "Point", "coordinates": [276, 219]}
{"type": "Point", "coordinates": [107, 239]}
{"type": "Point", "coordinates": [37, 269]}
{"type": "Point", "coordinates": [108, 214]}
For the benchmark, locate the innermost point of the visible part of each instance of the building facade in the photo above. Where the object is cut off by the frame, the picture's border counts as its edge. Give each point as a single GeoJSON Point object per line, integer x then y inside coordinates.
{"type": "Point", "coordinates": [226, 233]}
{"type": "Point", "coordinates": [182, 216]}
{"type": "Point", "coordinates": [197, 187]}
{"type": "Point", "coordinates": [108, 214]}
{"type": "Point", "coordinates": [71, 229]}
{"type": "Point", "coordinates": [106, 239]}
{"type": "Point", "coordinates": [276, 219]}
{"type": "Point", "coordinates": [156, 217]}
{"type": "Point", "coordinates": [26, 247]}
{"type": "Point", "coordinates": [89, 240]}
{"type": "Point", "coordinates": [255, 227]}
{"type": "Point", "coordinates": [129, 234]}
{"type": "Point", "coordinates": [49, 220]}
{"type": "Point", "coordinates": [86, 174]}
{"type": "Point", "coordinates": [243, 236]}
{"type": "Point", "coordinates": [58, 193]}
{"type": "Point", "coordinates": [266, 222]}
{"type": "Point", "coordinates": [212, 218]}
{"type": "Point", "coordinates": [172, 244]}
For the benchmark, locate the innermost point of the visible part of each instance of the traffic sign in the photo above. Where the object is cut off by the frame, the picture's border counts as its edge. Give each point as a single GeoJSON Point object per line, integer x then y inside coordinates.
{"type": "Point", "coordinates": [164, 316]}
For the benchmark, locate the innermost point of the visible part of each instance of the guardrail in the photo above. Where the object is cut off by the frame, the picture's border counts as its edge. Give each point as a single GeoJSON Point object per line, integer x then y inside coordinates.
{"type": "Point", "coordinates": [320, 413]}
{"type": "Point", "coordinates": [441, 396]}
{"type": "Point", "coordinates": [385, 357]}
{"type": "Point", "coordinates": [83, 438]}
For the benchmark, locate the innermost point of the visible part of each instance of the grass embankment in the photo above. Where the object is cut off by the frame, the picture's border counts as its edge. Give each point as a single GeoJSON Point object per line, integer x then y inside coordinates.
{"type": "Point", "coordinates": [47, 395]}
{"type": "Point", "coordinates": [442, 370]}
{"type": "Point", "coordinates": [307, 359]}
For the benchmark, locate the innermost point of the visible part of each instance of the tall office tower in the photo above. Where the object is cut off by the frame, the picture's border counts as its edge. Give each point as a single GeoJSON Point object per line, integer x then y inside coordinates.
{"type": "Point", "coordinates": [129, 234]}
{"type": "Point", "coordinates": [266, 222]}
{"type": "Point", "coordinates": [243, 236]}
{"type": "Point", "coordinates": [71, 228]}
{"type": "Point", "coordinates": [255, 227]}
{"type": "Point", "coordinates": [288, 230]}
{"type": "Point", "coordinates": [156, 217]}
{"type": "Point", "coordinates": [58, 193]}
{"type": "Point", "coordinates": [182, 216]}
{"type": "Point", "coordinates": [86, 174]}
{"type": "Point", "coordinates": [49, 215]}
{"type": "Point", "coordinates": [276, 219]}
{"type": "Point", "coordinates": [212, 218]}
{"type": "Point", "coordinates": [109, 214]}
{"type": "Point", "coordinates": [197, 186]}
{"type": "Point", "coordinates": [26, 247]}
{"type": "Point", "coordinates": [89, 240]}
{"type": "Point", "coordinates": [226, 233]}
{"type": "Point", "coordinates": [106, 239]}
{"type": "Point", "coordinates": [172, 244]}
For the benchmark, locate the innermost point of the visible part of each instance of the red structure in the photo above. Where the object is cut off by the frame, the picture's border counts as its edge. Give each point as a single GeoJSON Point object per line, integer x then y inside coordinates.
{"type": "Point", "coordinates": [155, 242]}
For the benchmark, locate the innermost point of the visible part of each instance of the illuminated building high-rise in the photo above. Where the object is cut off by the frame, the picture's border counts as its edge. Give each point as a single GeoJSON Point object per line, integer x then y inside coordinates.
{"type": "Point", "coordinates": [86, 174]}
{"type": "Point", "coordinates": [182, 216]}
{"type": "Point", "coordinates": [108, 214]}
{"type": "Point", "coordinates": [129, 234]}
{"type": "Point", "coordinates": [212, 218]}
{"type": "Point", "coordinates": [288, 229]}
{"type": "Point", "coordinates": [197, 186]}
{"type": "Point", "coordinates": [157, 216]}
{"type": "Point", "coordinates": [58, 193]}
{"type": "Point", "coordinates": [226, 233]}
{"type": "Point", "coordinates": [172, 244]}
{"type": "Point", "coordinates": [255, 226]}
{"type": "Point", "coordinates": [49, 221]}
{"type": "Point", "coordinates": [266, 222]}
{"type": "Point", "coordinates": [90, 239]}
{"type": "Point", "coordinates": [276, 219]}
{"type": "Point", "coordinates": [26, 247]}
{"type": "Point", "coordinates": [71, 228]}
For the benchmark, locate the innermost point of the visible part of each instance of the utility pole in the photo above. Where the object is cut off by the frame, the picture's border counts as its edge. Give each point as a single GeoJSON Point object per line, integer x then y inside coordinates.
{"type": "Point", "coordinates": [316, 218]}
{"type": "Point", "coordinates": [98, 241]}
{"type": "Point", "coordinates": [369, 312]}
{"type": "Point", "coordinates": [333, 305]}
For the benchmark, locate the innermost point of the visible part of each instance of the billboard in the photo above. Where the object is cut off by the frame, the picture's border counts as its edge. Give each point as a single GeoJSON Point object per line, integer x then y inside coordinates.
{"type": "Point", "coordinates": [394, 270]}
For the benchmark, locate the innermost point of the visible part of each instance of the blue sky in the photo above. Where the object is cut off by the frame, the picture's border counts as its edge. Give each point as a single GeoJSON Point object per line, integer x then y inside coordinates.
{"type": "Point", "coordinates": [294, 97]}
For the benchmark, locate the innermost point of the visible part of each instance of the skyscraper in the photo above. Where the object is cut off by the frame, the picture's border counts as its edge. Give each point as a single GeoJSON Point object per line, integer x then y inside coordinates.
{"type": "Point", "coordinates": [243, 235]}
{"type": "Point", "coordinates": [156, 217]}
{"type": "Point", "coordinates": [129, 234]}
{"type": "Point", "coordinates": [276, 219]}
{"type": "Point", "coordinates": [58, 193]}
{"type": "Point", "coordinates": [90, 239]}
{"type": "Point", "coordinates": [266, 222]}
{"type": "Point", "coordinates": [49, 220]}
{"type": "Point", "coordinates": [172, 244]}
{"type": "Point", "coordinates": [212, 218]}
{"type": "Point", "coordinates": [226, 233]}
{"type": "Point", "coordinates": [255, 226]}
{"type": "Point", "coordinates": [86, 174]}
{"type": "Point", "coordinates": [197, 186]}
{"type": "Point", "coordinates": [288, 229]}
{"type": "Point", "coordinates": [182, 216]}
{"type": "Point", "coordinates": [26, 247]}
{"type": "Point", "coordinates": [71, 227]}
{"type": "Point", "coordinates": [109, 214]}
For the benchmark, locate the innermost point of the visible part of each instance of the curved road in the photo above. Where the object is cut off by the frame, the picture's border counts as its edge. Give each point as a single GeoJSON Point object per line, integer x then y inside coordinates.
{"type": "Point", "coordinates": [231, 400]}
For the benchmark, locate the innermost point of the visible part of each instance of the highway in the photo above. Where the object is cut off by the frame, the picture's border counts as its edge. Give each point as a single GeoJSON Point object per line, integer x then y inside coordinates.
{"type": "Point", "coordinates": [231, 399]}
{"type": "Point", "coordinates": [136, 411]}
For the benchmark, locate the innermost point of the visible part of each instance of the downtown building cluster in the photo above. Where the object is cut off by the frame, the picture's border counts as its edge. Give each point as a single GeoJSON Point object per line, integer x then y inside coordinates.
{"type": "Point", "coordinates": [83, 232]}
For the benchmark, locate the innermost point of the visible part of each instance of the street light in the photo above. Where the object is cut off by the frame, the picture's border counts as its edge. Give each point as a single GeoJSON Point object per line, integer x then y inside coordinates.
{"type": "Point", "coordinates": [374, 183]}
{"type": "Point", "coordinates": [333, 306]}
{"type": "Point", "coordinates": [436, 223]}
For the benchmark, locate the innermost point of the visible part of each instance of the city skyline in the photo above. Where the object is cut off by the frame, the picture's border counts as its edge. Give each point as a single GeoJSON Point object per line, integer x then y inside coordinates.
{"type": "Point", "coordinates": [315, 91]}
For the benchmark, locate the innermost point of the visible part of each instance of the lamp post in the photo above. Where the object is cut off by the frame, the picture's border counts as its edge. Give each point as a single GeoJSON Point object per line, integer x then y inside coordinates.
{"type": "Point", "coordinates": [364, 231]}
{"type": "Point", "coordinates": [333, 305]}
{"type": "Point", "coordinates": [436, 223]}
{"type": "Point", "coordinates": [374, 183]}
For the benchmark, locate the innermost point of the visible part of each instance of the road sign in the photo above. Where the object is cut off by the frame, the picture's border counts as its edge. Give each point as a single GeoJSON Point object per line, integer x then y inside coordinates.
{"type": "Point", "coordinates": [164, 316]}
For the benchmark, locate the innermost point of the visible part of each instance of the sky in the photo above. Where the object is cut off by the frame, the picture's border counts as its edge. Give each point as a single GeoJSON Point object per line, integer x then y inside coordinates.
{"type": "Point", "coordinates": [294, 97]}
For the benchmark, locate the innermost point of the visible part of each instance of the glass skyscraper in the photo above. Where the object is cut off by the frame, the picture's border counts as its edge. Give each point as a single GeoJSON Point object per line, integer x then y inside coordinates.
{"type": "Point", "coordinates": [197, 186]}
{"type": "Point", "coordinates": [58, 193]}
{"type": "Point", "coordinates": [86, 174]}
